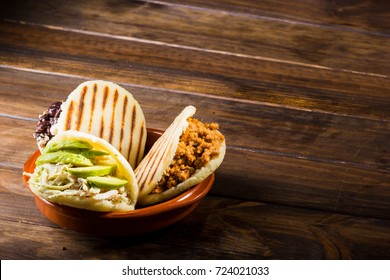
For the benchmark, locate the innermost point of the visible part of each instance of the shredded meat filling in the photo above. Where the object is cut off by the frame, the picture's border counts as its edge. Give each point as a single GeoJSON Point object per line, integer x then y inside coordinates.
{"type": "Point", "coordinates": [198, 145]}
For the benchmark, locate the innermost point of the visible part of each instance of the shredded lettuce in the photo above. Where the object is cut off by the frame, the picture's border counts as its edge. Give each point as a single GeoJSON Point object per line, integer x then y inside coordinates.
{"type": "Point", "coordinates": [55, 181]}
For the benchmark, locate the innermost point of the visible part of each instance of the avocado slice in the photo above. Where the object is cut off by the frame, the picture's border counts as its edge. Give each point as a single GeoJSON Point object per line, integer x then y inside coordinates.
{"type": "Point", "coordinates": [67, 144]}
{"type": "Point", "coordinates": [96, 170]}
{"type": "Point", "coordinates": [94, 153]}
{"type": "Point", "coordinates": [63, 157]}
{"type": "Point", "coordinates": [87, 153]}
{"type": "Point", "coordinates": [106, 182]}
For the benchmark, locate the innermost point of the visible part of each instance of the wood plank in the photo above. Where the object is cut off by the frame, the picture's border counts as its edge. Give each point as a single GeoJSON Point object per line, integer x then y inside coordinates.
{"type": "Point", "coordinates": [11, 179]}
{"type": "Point", "coordinates": [17, 142]}
{"type": "Point", "coordinates": [291, 133]}
{"type": "Point", "coordinates": [196, 72]}
{"type": "Point", "coordinates": [332, 187]}
{"type": "Point", "coordinates": [359, 16]}
{"type": "Point", "coordinates": [225, 228]}
{"type": "Point", "coordinates": [253, 175]}
{"type": "Point", "coordinates": [217, 31]}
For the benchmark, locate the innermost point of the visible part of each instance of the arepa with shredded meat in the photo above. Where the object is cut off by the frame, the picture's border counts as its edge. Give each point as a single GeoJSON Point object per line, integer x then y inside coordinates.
{"type": "Point", "coordinates": [186, 154]}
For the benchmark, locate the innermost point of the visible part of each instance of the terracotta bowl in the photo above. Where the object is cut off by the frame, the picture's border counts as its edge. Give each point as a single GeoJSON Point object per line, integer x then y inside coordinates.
{"type": "Point", "coordinates": [135, 222]}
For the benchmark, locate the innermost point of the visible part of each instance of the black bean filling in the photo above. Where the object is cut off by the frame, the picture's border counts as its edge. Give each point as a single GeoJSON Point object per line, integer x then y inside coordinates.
{"type": "Point", "coordinates": [47, 120]}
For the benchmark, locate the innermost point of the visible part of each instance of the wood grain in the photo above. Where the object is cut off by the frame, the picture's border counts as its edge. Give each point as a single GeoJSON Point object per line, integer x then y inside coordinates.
{"type": "Point", "coordinates": [297, 182]}
{"type": "Point", "coordinates": [359, 16]}
{"type": "Point", "coordinates": [233, 78]}
{"type": "Point", "coordinates": [291, 133]}
{"type": "Point", "coordinates": [180, 24]}
{"type": "Point", "coordinates": [263, 234]}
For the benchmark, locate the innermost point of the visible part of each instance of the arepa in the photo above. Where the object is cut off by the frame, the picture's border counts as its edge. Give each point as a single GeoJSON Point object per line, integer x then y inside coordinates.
{"type": "Point", "coordinates": [108, 111]}
{"type": "Point", "coordinates": [186, 154]}
{"type": "Point", "coordinates": [83, 171]}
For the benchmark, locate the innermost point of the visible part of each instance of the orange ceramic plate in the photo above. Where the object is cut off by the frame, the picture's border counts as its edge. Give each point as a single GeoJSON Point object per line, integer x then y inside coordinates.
{"type": "Point", "coordinates": [122, 223]}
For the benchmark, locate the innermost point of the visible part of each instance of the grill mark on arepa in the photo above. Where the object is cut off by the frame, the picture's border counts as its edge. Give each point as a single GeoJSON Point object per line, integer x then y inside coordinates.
{"type": "Point", "coordinates": [105, 95]}
{"type": "Point", "coordinates": [81, 107]}
{"type": "Point", "coordinates": [159, 156]}
{"type": "Point", "coordinates": [151, 154]}
{"type": "Point", "coordinates": [69, 116]}
{"type": "Point", "coordinates": [133, 118]}
{"type": "Point", "coordinates": [140, 172]}
{"type": "Point", "coordinates": [113, 116]}
{"type": "Point", "coordinates": [151, 157]}
{"type": "Point", "coordinates": [93, 107]}
{"type": "Point", "coordinates": [155, 169]}
{"type": "Point", "coordinates": [141, 177]}
{"type": "Point", "coordinates": [157, 161]}
{"type": "Point", "coordinates": [123, 123]}
{"type": "Point", "coordinates": [140, 143]}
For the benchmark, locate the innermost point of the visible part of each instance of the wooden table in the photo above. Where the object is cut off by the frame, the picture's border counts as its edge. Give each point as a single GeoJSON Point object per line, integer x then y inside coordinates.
{"type": "Point", "coordinates": [300, 90]}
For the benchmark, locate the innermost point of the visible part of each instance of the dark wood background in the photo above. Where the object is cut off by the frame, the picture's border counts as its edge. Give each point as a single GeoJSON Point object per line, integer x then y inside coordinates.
{"type": "Point", "coordinates": [300, 90]}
